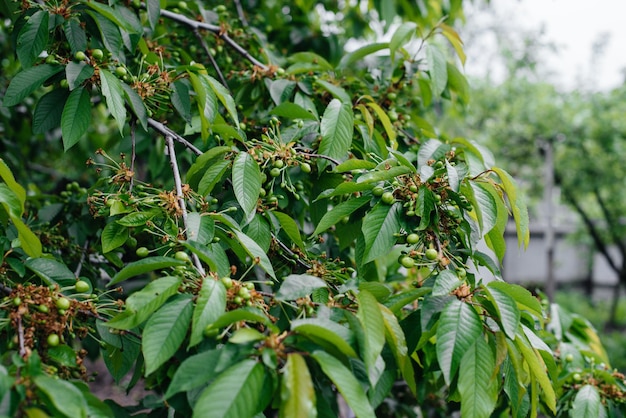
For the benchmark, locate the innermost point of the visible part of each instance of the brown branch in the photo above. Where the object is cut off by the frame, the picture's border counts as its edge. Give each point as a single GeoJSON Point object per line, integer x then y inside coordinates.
{"type": "Point", "coordinates": [593, 231]}
{"type": "Point", "coordinates": [165, 131]}
{"type": "Point", "coordinates": [5, 289]}
{"type": "Point", "coordinates": [617, 240]}
{"type": "Point", "coordinates": [207, 51]}
{"type": "Point", "coordinates": [20, 336]}
{"type": "Point", "coordinates": [179, 194]}
{"type": "Point", "coordinates": [217, 31]}
{"type": "Point", "coordinates": [287, 249]}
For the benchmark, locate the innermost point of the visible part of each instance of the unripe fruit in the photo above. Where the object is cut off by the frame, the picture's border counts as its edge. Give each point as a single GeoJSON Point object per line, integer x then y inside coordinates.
{"type": "Point", "coordinates": [413, 188]}
{"type": "Point", "coordinates": [461, 273]}
{"type": "Point", "coordinates": [279, 164]}
{"type": "Point", "coordinates": [378, 191]}
{"type": "Point", "coordinates": [121, 71]}
{"type": "Point", "coordinates": [244, 293]}
{"type": "Point", "coordinates": [305, 167]}
{"type": "Point", "coordinates": [387, 198]}
{"type": "Point", "coordinates": [17, 301]}
{"type": "Point", "coordinates": [182, 256]}
{"type": "Point", "coordinates": [82, 286]}
{"type": "Point", "coordinates": [275, 172]}
{"type": "Point", "coordinates": [43, 308]}
{"type": "Point", "coordinates": [210, 332]}
{"type": "Point", "coordinates": [61, 312]}
{"type": "Point", "coordinates": [407, 262]}
{"type": "Point", "coordinates": [97, 54]}
{"type": "Point", "coordinates": [432, 254]}
{"type": "Point", "coordinates": [64, 83]}
{"type": "Point", "coordinates": [412, 239]}
{"type": "Point", "coordinates": [142, 252]}
{"type": "Point", "coordinates": [577, 377]}
{"type": "Point", "coordinates": [237, 300]}
{"type": "Point", "coordinates": [131, 242]}
{"type": "Point", "coordinates": [53, 340]}
{"type": "Point", "coordinates": [569, 358]}
{"type": "Point", "coordinates": [80, 56]}
{"type": "Point", "coordinates": [62, 303]}
{"type": "Point", "coordinates": [249, 285]}
{"type": "Point", "coordinates": [227, 282]}
{"type": "Point", "coordinates": [182, 5]}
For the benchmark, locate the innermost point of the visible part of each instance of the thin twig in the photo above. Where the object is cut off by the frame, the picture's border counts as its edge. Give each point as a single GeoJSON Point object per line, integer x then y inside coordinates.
{"type": "Point", "coordinates": [287, 249]}
{"type": "Point", "coordinates": [169, 140]}
{"type": "Point", "coordinates": [133, 152]}
{"type": "Point", "coordinates": [217, 31]}
{"type": "Point", "coordinates": [207, 51]}
{"type": "Point", "coordinates": [5, 289]}
{"type": "Point", "coordinates": [312, 155]}
{"type": "Point", "coordinates": [242, 16]}
{"type": "Point", "coordinates": [82, 259]}
{"type": "Point", "coordinates": [165, 131]}
{"type": "Point", "coordinates": [20, 336]}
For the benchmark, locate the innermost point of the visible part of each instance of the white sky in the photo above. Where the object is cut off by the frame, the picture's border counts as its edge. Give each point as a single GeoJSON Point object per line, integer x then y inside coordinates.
{"type": "Point", "coordinates": [573, 26]}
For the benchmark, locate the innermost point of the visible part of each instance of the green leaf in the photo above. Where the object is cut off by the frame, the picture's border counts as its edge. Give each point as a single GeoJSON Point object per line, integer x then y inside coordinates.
{"type": "Point", "coordinates": [75, 35]}
{"type": "Point", "coordinates": [292, 111]}
{"type": "Point", "coordinates": [33, 38]}
{"type": "Point", "coordinates": [336, 129]}
{"type": "Point", "coordinates": [454, 39]}
{"type": "Point", "coordinates": [206, 100]}
{"type": "Point", "coordinates": [485, 206]}
{"type": "Point", "coordinates": [458, 83]}
{"type": "Point", "coordinates": [346, 383]}
{"type": "Point", "coordinates": [256, 252]}
{"type": "Point", "coordinates": [587, 403]}
{"type": "Point", "coordinates": [77, 72]}
{"type": "Point", "coordinates": [379, 226]}
{"type": "Point", "coordinates": [110, 34]}
{"type": "Point", "coordinates": [397, 342]}
{"type": "Point", "coordinates": [200, 229]}
{"type": "Point", "coordinates": [224, 97]}
{"type": "Point", "coordinates": [340, 211]}
{"type": "Point", "coordinates": [154, 12]}
{"type": "Point", "coordinates": [28, 240]}
{"type": "Point", "coordinates": [477, 384]}
{"type": "Point", "coordinates": [508, 313]}
{"type": "Point", "coordinates": [281, 90]}
{"type": "Point", "coordinates": [383, 175]}
{"type": "Point", "coordinates": [27, 81]}
{"type": "Point", "coordinates": [51, 271]}
{"type": "Point", "coordinates": [196, 370]}
{"type": "Point", "coordinates": [113, 15]}
{"type": "Point", "coordinates": [401, 36]}
{"type": "Point", "coordinates": [371, 319]}
{"type": "Point", "coordinates": [121, 360]}
{"type": "Point", "coordinates": [297, 286]}
{"type": "Point", "coordinates": [65, 397]}
{"type": "Point", "coordinates": [165, 331]}
{"type": "Point", "coordinates": [7, 176]}
{"type": "Point", "coordinates": [203, 163]}
{"type": "Point", "coordinates": [114, 236]}
{"type": "Point", "coordinates": [47, 114]}
{"type": "Point", "coordinates": [144, 266]}
{"type": "Point", "coordinates": [137, 218]}
{"type": "Point", "coordinates": [236, 393]}
{"type": "Point", "coordinates": [114, 95]}
{"type": "Point", "coordinates": [13, 205]}
{"type": "Point", "coordinates": [437, 69]}
{"type": "Point", "coordinates": [537, 368]}
{"type": "Point", "coordinates": [524, 299]}
{"type": "Point", "coordinates": [357, 55]}
{"type": "Point", "coordinates": [445, 282]}
{"type": "Point", "coordinates": [426, 204]}
{"type": "Point", "coordinates": [297, 392]}
{"type": "Point", "coordinates": [387, 125]}
{"type": "Point", "coordinates": [518, 206]}
{"type": "Point", "coordinates": [210, 305]}
{"type": "Point", "coordinates": [336, 91]}
{"type": "Point", "coordinates": [141, 304]}
{"type": "Point", "coordinates": [290, 227]}
{"type": "Point", "coordinates": [180, 96]}
{"type": "Point", "coordinates": [354, 164]}
{"type": "Point", "coordinates": [76, 117]}
{"type": "Point", "coordinates": [326, 332]}
{"type": "Point", "coordinates": [244, 314]}
{"type": "Point", "coordinates": [137, 105]}
{"type": "Point", "coordinates": [212, 176]}
{"type": "Point", "coordinates": [212, 254]}
{"type": "Point", "coordinates": [459, 326]}
{"type": "Point", "coordinates": [400, 300]}
{"type": "Point", "coordinates": [246, 182]}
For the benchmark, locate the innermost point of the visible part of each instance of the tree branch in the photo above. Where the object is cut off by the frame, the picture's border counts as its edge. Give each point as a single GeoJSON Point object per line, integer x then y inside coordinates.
{"type": "Point", "coordinates": [207, 51]}
{"type": "Point", "coordinates": [617, 240]}
{"type": "Point", "coordinates": [169, 140]}
{"type": "Point", "coordinates": [165, 131]}
{"type": "Point", "coordinates": [217, 31]}
{"type": "Point", "coordinates": [593, 231]}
